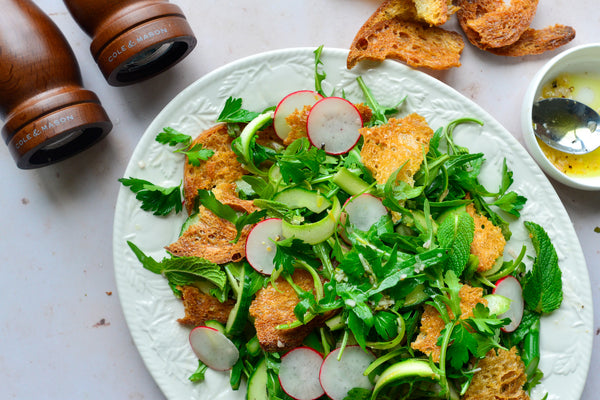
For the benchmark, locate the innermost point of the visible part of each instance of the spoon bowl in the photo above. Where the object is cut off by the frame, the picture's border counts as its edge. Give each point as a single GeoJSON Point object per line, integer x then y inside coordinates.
{"type": "Point", "coordinates": [566, 125]}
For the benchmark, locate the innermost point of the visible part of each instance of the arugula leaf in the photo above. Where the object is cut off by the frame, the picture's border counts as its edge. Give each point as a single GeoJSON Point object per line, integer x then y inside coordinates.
{"type": "Point", "coordinates": [300, 161]}
{"type": "Point", "coordinates": [542, 290]}
{"type": "Point", "coordinates": [292, 249]}
{"type": "Point", "coordinates": [456, 232]}
{"type": "Point", "coordinates": [319, 76]}
{"type": "Point", "coordinates": [196, 153]}
{"type": "Point", "coordinates": [172, 137]}
{"type": "Point", "coordinates": [234, 113]}
{"type": "Point", "coordinates": [155, 198]}
{"type": "Point", "coordinates": [240, 220]}
{"type": "Point", "coordinates": [380, 114]}
{"type": "Point", "coordinates": [181, 271]}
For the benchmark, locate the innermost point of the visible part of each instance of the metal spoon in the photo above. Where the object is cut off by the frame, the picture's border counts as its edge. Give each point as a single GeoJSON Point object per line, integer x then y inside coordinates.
{"type": "Point", "coordinates": [566, 125]}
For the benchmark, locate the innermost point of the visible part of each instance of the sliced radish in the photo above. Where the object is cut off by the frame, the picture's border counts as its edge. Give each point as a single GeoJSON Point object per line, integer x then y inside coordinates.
{"type": "Point", "coordinates": [299, 373]}
{"type": "Point", "coordinates": [364, 210]}
{"type": "Point", "coordinates": [213, 348]}
{"type": "Point", "coordinates": [510, 288]}
{"type": "Point", "coordinates": [338, 377]}
{"type": "Point", "coordinates": [288, 105]}
{"type": "Point", "coordinates": [260, 249]}
{"type": "Point", "coordinates": [333, 125]}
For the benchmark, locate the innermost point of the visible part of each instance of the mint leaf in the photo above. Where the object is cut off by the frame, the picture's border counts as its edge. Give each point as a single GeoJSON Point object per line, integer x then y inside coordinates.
{"type": "Point", "coordinates": [542, 290]}
{"type": "Point", "coordinates": [181, 271]}
{"type": "Point", "coordinates": [456, 233]}
{"type": "Point", "coordinates": [160, 200]}
{"type": "Point", "coordinates": [234, 113]}
{"type": "Point", "coordinates": [172, 137]}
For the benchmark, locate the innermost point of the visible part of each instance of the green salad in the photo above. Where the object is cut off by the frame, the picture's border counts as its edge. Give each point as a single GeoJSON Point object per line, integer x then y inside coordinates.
{"type": "Point", "coordinates": [386, 259]}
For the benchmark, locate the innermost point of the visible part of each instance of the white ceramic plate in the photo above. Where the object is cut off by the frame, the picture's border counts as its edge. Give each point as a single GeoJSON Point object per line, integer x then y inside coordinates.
{"type": "Point", "coordinates": [151, 309]}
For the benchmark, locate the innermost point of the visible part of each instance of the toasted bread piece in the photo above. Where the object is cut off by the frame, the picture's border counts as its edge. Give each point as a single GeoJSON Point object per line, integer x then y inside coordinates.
{"type": "Point", "coordinates": [504, 25]}
{"type": "Point", "coordinates": [297, 121]}
{"type": "Point", "coordinates": [395, 31]}
{"type": "Point", "coordinates": [212, 237]}
{"type": "Point", "coordinates": [434, 12]}
{"type": "Point", "coordinates": [432, 324]}
{"type": "Point", "coordinates": [274, 306]}
{"type": "Point", "coordinates": [500, 376]}
{"type": "Point", "coordinates": [470, 10]}
{"type": "Point", "coordinates": [531, 41]}
{"type": "Point", "coordinates": [488, 241]}
{"type": "Point", "coordinates": [200, 307]}
{"type": "Point", "coordinates": [399, 142]}
{"type": "Point", "coordinates": [222, 167]}
{"type": "Point", "coordinates": [537, 41]}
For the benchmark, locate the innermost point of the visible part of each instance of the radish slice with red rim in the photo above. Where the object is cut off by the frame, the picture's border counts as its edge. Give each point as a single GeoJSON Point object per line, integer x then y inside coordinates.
{"type": "Point", "coordinates": [338, 377]}
{"type": "Point", "coordinates": [288, 105]}
{"type": "Point", "coordinates": [260, 249]}
{"type": "Point", "coordinates": [333, 125]}
{"type": "Point", "coordinates": [213, 348]}
{"type": "Point", "coordinates": [299, 373]}
{"type": "Point", "coordinates": [364, 210]}
{"type": "Point", "coordinates": [510, 287]}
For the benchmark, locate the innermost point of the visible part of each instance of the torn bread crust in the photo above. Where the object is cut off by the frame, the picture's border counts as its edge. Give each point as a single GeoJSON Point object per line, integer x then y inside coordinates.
{"type": "Point", "coordinates": [211, 237]}
{"type": "Point", "coordinates": [396, 32]}
{"type": "Point", "coordinates": [537, 41]}
{"type": "Point", "coordinates": [222, 167]}
{"type": "Point", "coordinates": [274, 306]}
{"type": "Point", "coordinates": [432, 323]}
{"type": "Point", "coordinates": [434, 12]}
{"type": "Point", "coordinates": [488, 241]}
{"type": "Point", "coordinates": [200, 307]}
{"type": "Point", "coordinates": [504, 25]}
{"type": "Point", "coordinates": [530, 42]}
{"type": "Point", "coordinates": [388, 147]}
{"type": "Point", "coordinates": [500, 376]}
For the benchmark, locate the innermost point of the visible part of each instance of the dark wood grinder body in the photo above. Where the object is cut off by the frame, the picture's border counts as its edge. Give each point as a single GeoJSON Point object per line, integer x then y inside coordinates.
{"type": "Point", "coordinates": [47, 114]}
{"type": "Point", "coordinates": [133, 40]}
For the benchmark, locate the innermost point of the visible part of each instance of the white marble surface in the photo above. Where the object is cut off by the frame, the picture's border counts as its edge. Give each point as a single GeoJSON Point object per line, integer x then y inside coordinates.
{"type": "Point", "coordinates": [62, 331]}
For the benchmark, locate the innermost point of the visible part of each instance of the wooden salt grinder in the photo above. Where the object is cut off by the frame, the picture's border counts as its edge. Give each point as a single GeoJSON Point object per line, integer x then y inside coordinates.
{"type": "Point", "coordinates": [133, 40]}
{"type": "Point", "coordinates": [48, 115]}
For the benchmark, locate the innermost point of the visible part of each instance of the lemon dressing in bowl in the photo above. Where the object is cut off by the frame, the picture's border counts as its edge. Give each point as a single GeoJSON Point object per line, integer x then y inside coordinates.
{"type": "Point", "coordinates": [583, 87]}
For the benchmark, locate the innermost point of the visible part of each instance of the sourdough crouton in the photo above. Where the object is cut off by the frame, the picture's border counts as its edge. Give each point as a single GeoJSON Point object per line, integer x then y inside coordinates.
{"type": "Point", "coordinates": [200, 307]}
{"type": "Point", "coordinates": [297, 121]}
{"type": "Point", "coordinates": [537, 41]}
{"type": "Point", "coordinates": [212, 237]}
{"type": "Point", "coordinates": [488, 241]}
{"type": "Point", "coordinates": [396, 31]}
{"type": "Point", "coordinates": [387, 147]}
{"type": "Point", "coordinates": [274, 306]}
{"type": "Point", "coordinates": [432, 324]}
{"type": "Point", "coordinates": [474, 15]}
{"type": "Point", "coordinates": [500, 376]}
{"type": "Point", "coordinates": [222, 167]}
{"type": "Point", "coordinates": [505, 24]}
{"type": "Point", "coordinates": [434, 12]}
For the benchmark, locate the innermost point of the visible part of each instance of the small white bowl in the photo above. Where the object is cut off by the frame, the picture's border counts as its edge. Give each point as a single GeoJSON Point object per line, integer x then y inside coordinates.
{"type": "Point", "coordinates": [584, 58]}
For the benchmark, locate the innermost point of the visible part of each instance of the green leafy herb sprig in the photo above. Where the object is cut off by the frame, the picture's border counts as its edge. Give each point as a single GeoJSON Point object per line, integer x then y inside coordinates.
{"type": "Point", "coordinates": [196, 153]}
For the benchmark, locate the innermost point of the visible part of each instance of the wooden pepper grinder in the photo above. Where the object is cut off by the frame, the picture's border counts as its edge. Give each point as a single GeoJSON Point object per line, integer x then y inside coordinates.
{"type": "Point", "coordinates": [48, 115]}
{"type": "Point", "coordinates": [133, 39]}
